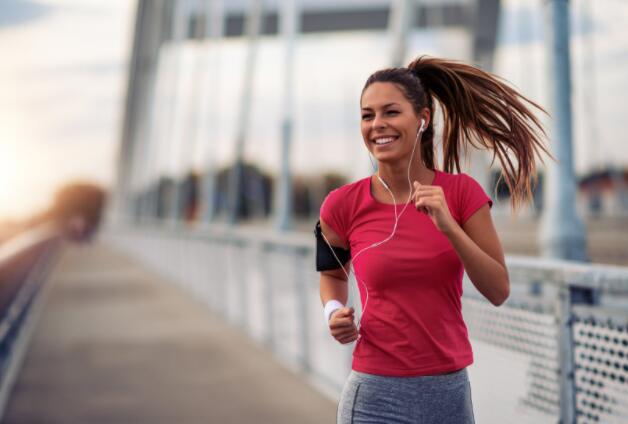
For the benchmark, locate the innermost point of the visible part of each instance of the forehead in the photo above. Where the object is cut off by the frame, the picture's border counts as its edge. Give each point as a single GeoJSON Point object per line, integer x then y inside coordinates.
{"type": "Point", "coordinates": [379, 94]}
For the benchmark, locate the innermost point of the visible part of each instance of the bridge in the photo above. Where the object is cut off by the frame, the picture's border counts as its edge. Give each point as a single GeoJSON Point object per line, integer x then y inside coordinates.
{"type": "Point", "coordinates": [179, 324]}
{"type": "Point", "coordinates": [189, 307]}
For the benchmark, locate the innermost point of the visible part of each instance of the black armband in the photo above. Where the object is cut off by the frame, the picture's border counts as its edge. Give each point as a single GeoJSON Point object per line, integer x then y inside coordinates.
{"type": "Point", "coordinates": [325, 259]}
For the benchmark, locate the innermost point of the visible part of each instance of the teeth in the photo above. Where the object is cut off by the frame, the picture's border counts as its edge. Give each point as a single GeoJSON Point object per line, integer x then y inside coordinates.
{"type": "Point", "coordinates": [384, 140]}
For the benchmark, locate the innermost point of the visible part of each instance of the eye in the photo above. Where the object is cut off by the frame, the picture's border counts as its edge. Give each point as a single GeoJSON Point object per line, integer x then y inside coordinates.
{"type": "Point", "coordinates": [366, 116]}
{"type": "Point", "coordinates": [392, 112]}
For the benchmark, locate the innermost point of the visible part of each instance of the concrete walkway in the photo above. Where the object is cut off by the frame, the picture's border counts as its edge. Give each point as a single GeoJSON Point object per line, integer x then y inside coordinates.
{"type": "Point", "coordinates": [116, 344]}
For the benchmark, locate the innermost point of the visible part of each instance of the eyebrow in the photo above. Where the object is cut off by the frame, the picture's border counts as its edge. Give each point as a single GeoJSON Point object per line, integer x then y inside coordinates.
{"type": "Point", "coordinates": [385, 106]}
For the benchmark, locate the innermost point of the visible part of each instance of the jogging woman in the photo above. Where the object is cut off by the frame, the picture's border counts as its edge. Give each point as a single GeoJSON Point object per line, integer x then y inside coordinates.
{"type": "Point", "coordinates": [412, 350]}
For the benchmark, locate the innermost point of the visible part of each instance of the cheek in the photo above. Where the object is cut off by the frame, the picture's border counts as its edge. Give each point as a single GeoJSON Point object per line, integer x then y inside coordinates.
{"type": "Point", "coordinates": [364, 133]}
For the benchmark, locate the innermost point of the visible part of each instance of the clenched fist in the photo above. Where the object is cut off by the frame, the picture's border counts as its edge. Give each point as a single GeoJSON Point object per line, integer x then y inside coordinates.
{"type": "Point", "coordinates": [341, 325]}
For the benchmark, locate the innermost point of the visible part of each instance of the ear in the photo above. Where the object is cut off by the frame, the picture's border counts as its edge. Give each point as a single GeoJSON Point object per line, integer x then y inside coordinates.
{"type": "Point", "coordinates": [424, 118]}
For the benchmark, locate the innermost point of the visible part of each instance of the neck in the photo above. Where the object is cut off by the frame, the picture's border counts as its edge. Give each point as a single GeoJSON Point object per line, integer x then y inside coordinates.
{"type": "Point", "coordinates": [396, 176]}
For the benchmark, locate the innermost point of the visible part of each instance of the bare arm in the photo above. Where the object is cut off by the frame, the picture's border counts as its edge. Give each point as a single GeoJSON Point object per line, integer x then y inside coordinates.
{"type": "Point", "coordinates": [480, 251]}
{"type": "Point", "coordinates": [334, 285]}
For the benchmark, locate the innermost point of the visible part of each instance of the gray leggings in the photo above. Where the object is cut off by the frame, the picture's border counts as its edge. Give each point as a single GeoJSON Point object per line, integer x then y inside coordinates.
{"type": "Point", "coordinates": [430, 399]}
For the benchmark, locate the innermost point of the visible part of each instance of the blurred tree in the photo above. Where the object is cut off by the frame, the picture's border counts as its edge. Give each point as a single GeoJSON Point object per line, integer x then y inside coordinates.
{"type": "Point", "coordinates": [77, 210]}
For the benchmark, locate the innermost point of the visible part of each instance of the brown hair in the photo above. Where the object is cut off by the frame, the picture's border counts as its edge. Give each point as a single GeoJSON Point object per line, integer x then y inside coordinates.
{"type": "Point", "coordinates": [479, 109]}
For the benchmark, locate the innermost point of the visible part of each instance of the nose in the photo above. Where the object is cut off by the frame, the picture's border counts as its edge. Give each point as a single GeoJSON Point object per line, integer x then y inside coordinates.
{"type": "Point", "coordinates": [377, 122]}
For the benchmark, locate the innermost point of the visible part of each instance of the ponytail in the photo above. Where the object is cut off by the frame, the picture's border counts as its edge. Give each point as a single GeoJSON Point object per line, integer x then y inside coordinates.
{"type": "Point", "coordinates": [480, 109]}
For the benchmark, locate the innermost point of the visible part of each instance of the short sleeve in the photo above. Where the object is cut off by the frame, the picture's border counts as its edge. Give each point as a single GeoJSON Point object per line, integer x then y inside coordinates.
{"type": "Point", "coordinates": [471, 197]}
{"type": "Point", "coordinates": [333, 213]}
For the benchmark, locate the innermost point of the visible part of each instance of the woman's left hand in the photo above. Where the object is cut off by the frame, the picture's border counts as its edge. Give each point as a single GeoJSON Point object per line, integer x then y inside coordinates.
{"type": "Point", "coordinates": [430, 200]}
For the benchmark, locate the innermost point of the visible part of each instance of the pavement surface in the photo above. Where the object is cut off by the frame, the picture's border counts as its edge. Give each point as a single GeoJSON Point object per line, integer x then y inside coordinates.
{"type": "Point", "coordinates": [117, 344]}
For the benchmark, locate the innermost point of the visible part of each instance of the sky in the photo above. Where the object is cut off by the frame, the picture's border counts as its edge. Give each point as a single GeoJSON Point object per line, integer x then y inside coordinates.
{"type": "Point", "coordinates": [64, 73]}
{"type": "Point", "coordinates": [63, 80]}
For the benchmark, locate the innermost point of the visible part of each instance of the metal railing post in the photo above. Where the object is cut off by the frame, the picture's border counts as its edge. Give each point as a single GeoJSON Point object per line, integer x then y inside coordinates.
{"type": "Point", "coordinates": [303, 324]}
{"type": "Point", "coordinates": [568, 296]}
{"type": "Point", "coordinates": [268, 297]}
{"type": "Point", "coordinates": [566, 359]}
{"type": "Point", "coordinates": [243, 286]}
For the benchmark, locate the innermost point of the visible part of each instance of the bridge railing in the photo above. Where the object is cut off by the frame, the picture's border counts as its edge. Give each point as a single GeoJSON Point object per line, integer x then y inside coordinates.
{"type": "Point", "coordinates": [25, 262]}
{"type": "Point", "coordinates": [564, 326]}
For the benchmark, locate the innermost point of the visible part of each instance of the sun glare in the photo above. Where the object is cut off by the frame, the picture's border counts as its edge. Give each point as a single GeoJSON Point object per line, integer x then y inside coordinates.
{"type": "Point", "coordinates": [8, 175]}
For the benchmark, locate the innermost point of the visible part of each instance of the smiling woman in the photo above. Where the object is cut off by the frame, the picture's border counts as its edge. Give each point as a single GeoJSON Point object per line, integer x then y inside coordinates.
{"type": "Point", "coordinates": [410, 277]}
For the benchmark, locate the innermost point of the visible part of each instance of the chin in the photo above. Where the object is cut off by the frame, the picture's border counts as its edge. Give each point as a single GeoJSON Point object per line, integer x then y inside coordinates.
{"type": "Point", "coordinates": [391, 157]}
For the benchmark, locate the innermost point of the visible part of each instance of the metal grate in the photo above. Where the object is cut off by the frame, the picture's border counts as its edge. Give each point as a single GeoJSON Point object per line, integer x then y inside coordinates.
{"type": "Point", "coordinates": [531, 333]}
{"type": "Point", "coordinates": [601, 370]}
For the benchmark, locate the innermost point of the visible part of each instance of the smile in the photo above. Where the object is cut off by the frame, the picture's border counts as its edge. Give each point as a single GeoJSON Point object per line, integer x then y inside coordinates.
{"type": "Point", "coordinates": [384, 140]}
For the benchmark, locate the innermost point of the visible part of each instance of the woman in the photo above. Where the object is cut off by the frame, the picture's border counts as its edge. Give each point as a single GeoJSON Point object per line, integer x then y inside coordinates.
{"type": "Point", "coordinates": [409, 362]}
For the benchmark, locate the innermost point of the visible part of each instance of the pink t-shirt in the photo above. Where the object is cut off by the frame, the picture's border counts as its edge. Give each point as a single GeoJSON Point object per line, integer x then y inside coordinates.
{"type": "Point", "coordinates": [413, 321]}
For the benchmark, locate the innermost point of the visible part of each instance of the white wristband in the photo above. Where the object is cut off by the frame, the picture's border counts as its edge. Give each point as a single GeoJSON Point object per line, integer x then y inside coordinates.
{"type": "Point", "coordinates": [330, 307]}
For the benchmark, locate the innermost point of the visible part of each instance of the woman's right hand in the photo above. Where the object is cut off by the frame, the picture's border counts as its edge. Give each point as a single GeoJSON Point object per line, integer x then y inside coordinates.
{"type": "Point", "coordinates": [341, 325]}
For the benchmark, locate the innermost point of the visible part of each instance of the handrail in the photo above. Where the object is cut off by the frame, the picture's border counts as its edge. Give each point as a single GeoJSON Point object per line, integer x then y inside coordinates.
{"type": "Point", "coordinates": [25, 240]}
{"type": "Point", "coordinates": [19, 293]}
{"type": "Point", "coordinates": [560, 272]}
{"type": "Point", "coordinates": [572, 273]}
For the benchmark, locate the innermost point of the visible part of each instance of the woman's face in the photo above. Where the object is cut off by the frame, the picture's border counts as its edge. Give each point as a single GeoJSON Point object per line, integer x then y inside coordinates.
{"type": "Point", "coordinates": [389, 124]}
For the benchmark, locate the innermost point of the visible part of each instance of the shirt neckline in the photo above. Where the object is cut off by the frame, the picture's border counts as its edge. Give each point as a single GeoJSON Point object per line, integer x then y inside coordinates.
{"type": "Point", "coordinates": [369, 183]}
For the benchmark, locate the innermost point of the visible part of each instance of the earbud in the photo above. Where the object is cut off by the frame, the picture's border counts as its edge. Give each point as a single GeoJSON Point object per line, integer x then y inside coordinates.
{"type": "Point", "coordinates": [422, 125]}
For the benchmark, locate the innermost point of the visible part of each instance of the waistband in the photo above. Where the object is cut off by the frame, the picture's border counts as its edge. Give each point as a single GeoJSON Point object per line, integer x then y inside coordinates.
{"type": "Point", "coordinates": [423, 381]}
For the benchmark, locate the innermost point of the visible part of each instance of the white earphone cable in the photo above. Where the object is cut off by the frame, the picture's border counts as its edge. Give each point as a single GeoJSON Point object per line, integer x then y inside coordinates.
{"type": "Point", "coordinates": [387, 238]}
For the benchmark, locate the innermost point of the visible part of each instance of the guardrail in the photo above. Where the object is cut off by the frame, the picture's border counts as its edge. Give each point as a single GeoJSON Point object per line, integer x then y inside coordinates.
{"type": "Point", "coordinates": [25, 261]}
{"type": "Point", "coordinates": [568, 321]}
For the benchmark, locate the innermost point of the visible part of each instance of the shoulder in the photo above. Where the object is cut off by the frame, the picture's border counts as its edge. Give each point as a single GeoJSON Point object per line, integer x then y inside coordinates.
{"type": "Point", "coordinates": [466, 179]}
{"type": "Point", "coordinates": [464, 195]}
{"type": "Point", "coordinates": [345, 194]}
{"type": "Point", "coordinates": [340, 204]}
{"type": "Point", "coordinates": [457, 185]}
{"type": "Point", "coordinates": [455, 180]}
{"type": "Point", "coordinates": [469, 185]}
